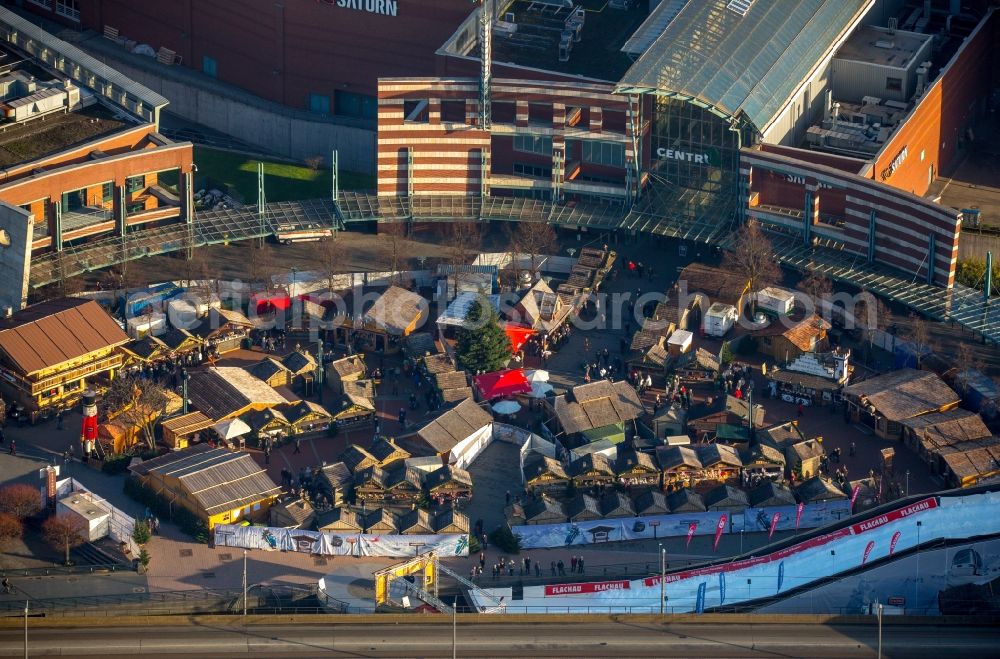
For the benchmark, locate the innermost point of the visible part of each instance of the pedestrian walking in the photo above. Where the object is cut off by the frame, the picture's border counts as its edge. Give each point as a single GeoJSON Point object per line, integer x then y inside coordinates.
{"type": "Point", "coordinates": [562, 567]}
{"type": "Point", "coordinates": [482, 558]}
{"type": "Point", "coordinates": [552, 566]}
{"type": "Point", "coordinates": [852, 450]}
{"type": "Point", "coordinates": [538, 569]}
{"type": "Point", "coordinates": [579, 565]}
{"type": "Point", "coordinates": [802, 409]}
{"type": "Point", "coordinates": [267, 458]}
{"type": "Point", "coordinates": [13, 447]}
{"type": "Point", "coordinates": [508, 497]}
{"type": "Point", "coordinates": [402, 416]}
{"type": "Point", "coordinates": [298, 446]}
{"type": "Point", "coordinates": [572, 564]}
{"type": "Point", "coordinates": [59, 420]}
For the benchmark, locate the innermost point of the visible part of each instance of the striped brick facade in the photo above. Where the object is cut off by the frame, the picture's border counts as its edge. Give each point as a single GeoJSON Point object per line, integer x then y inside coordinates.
{"type": "Point", "coordinates": [447, 155]}
{"type": "Point", "coordinates": [785, 192]}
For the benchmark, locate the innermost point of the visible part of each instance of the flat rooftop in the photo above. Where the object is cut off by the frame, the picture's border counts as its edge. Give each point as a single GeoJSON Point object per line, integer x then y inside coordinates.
{"type": "Point", "coordinates": [535, 41]}
{"type": "Point", "coordinates": [44, 135]}
{"type": "Point", "coordinates": [879, 46]}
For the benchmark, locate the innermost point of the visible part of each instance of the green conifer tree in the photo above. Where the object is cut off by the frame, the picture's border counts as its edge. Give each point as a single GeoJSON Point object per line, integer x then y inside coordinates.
{"type": "Point", "coordinates": [483, 347]}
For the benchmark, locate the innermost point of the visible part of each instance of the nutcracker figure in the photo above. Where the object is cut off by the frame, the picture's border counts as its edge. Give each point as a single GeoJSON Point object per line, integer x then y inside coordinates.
{"type": "Point", "coordinates": [88, 433]}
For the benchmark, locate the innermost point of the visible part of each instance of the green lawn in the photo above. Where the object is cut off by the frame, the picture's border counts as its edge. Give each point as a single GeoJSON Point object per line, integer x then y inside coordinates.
{"type": "Point", "coordinates": [282, 181]}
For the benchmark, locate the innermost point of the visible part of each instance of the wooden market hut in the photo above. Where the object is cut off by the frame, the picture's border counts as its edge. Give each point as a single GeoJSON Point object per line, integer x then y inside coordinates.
{"type": "Point", "coordinates": [451, 521]}
{"type": "Point", "coordinates": [700, 366]}
{"type": "Point", "coordinates": [335, 483]}
{"type": "Point", "coordinates": [449, 483]}
{"type": "Point", "coordinates": [680, 466]}
{"type": "Point", "coordinates": [544, 510]}
{"type": "Point", "coordinates": [583, 508]}
{"type": "Point", "coordinates": [180, 342]}
{"type": "Point", "coordinates": [545, 475]}
{"type": "Point", "coordinates": [291, 512]}
{"type": "Point", "coordinates": [357, 458]}
{"type": "Point", "coordinates": [762, 458]}
{"type": "Point", "coordinates": [616, 504]}
{"type": "Point", "coordinates": [599, 410]}
{"type": "Point", "coordinates": [804, 458]}
{"type": "Point", "coordinates": [769, 494]}
{"type": "Point", "coordinates": [726, 497]}
{"type": "Point", "coordinates": [181, 431]}
{"type": "Point", "coordinates": [593, 470]}
{"type": "Point", "coordinates": [370, 486]}
{"type": "Point", "coordinates": [356, 405]}
{"type": "Point", "coordinates": [268, 424]}
{"type": "Point", "coordinates": [404, 486]}
{"type": "Point", "coordinates": [818, 489]}
{"type": "Point", "coordinates": [416, 522]}
{"type": "Point", "coordinates": [381, 522]}
{"type": "Point", "coordinates": [885, 401]}
{"type": "Point", "coordinates": [271, 371]}
{"type": "Point", "coordinates": [306, 416]}
{"type": "Point", "coordinates": [651, 502]}
{"type": "Point", "coordinates": [387, 452]}
{"type": "Point", "coordinates": [347, 369]}
{"type": "Point", "coordinates": [636, 470]}
{"type": "Point", "coordinates": [217, 485]}
{"type": "Point", "coordinates": [720, 463]}
{"type": "Point", "coordinates": [340, 520]}
{"type": "Point", "coordinates": [686, 501]}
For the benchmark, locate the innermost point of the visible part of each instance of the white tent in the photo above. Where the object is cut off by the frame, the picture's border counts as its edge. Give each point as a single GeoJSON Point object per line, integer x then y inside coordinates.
{"type": "Point", "coordinates": [231, 428]}
{"type": "Point", "coordinates": [537, 375]}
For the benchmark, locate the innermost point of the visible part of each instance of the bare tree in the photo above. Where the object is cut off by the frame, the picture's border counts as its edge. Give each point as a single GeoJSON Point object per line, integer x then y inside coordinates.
{"type": "Point", "coordinates": [463, 241]}
{"type": "Point", "coordinates": [753, 258]}
{"type": "Point", "coordinates": [390, 249]}
{"type": "Point", "coordinates": [64, 531]}
{"type": "Point", "coordinates": [260, 267]}
{"type": "Point", "coordinates": [11, 529]}
{"type": "Point", "coordinates": [920, 335]}
{"type": "Point", "coordinates": [329, 255]}
{"type": "Point", "coordinates": [535, 239]}
{"type": "Point", "coordinates": [137, 404]}
{"type": "Point", "coordinates": [20, 500]}
{"type": "Point", "coordinates": [871, 314]}
{"type": "Point", "coordinates": [817, 286]}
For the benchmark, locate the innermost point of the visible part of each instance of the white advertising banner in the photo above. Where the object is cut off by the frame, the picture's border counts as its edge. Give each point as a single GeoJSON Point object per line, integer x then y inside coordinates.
{"type": "Point", "coordinates": [541, 536]}
{"type": "Point", "coordinates": [335, 544]}
{"type": "Point", "coordinates": [796, 566]}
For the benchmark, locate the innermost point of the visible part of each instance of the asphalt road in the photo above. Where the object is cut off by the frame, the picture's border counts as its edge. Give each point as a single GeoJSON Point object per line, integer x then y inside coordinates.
{"type": "Point", "coordinates": [600, 638]}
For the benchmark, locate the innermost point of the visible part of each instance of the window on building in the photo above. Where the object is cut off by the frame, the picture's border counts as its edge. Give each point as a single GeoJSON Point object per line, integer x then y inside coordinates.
{"type": "Point", "coordinates": [534, 171]}
{"type": "Point", "coordinates": [894, 84]}
{"type": "Point", "coordinates": [533, 144]}
{"type": "Point", "coordinates": [136, 207]}
{"type": "Point", "coordinates": [611, 154]}
{"type": "Point", "coordinates": [319, 103]}
{"type": "Point", "coordinates": [355, 105]}
{"type": "Point", "coordinates": [135, 183]}
{"type": "Point", "coordinates": [209, 66]}
{"type": "Point", "coordinates": [107, 192]}
{"type": "Point", "coordinates": [69, 9]}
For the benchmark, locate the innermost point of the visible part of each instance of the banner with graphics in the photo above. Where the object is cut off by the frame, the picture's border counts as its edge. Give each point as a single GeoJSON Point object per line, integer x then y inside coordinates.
{"type": "Point", "coordinates": [335, 544]}
{"type": "Point", "coordinates": [579, 588]}
{"type": "Point", "coordinates": [719, 528]}
{"type": "Point", "coordinates": [692, 527]}
{"type": "Point", "coordinates": [541, 536]}
{"type": "Point", "coordinates": [774, 524]}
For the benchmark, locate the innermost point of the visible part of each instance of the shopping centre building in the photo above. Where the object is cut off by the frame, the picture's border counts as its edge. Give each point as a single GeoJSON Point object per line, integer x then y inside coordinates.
{"type": "Point", "coordinates": [81, 158]}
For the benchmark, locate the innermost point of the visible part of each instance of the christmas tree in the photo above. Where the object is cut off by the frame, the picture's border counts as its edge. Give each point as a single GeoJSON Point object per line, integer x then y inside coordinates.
{"type": "Point", "coordinates": [483, 346]}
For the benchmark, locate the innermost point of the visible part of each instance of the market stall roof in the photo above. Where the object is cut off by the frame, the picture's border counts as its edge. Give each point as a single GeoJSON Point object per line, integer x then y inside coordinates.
{"type": "Point", "coordinates": [502, 383]}
{"type": "Point", "coordinates": [227, 390]}
{"type": "Point", "coordinates": [397, 310]}
{"type": "Point", "coordinates": [458, 310]}
{"type": "Point", "coordinates": [518, 335]}
{"type": "Point", "coordinates": [54, 332]}
{"type": "Point", "coordinates": [904, 394]}
{"type": "Point", "coordinates": [457, 424]}
{"type": "Point", "coordinates": [231, 428]}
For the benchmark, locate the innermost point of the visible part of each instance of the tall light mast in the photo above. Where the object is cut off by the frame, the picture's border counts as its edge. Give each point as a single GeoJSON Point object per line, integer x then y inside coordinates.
{"type": "Point", "coordinates": [485, 67]}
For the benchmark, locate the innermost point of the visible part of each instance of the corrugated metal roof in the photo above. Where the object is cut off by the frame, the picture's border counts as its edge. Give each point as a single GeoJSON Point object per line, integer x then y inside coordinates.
{"type": "Point", "coordinates": [53, 332]}
{"type": "Point", "coordinates": [31, 31]}
{"type": "Point", "coordinates": [747, 64]}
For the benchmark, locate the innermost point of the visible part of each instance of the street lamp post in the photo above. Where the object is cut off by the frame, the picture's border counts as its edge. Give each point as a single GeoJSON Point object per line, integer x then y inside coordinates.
{"type": "Point", "coordinates": [244, 583]}
{"type": "Point", "coordinates": [907, 482]}
{"type": "Point", "coordinates": [916, 582]}
{"type": "Point", "coordinates": [454, 631]}
{"type": "Point", "coordinates": [663, 577]}
{"type": "Point", "coordinates": [25, 629]}
{"type": "Point", "coordinates": [878, 611]}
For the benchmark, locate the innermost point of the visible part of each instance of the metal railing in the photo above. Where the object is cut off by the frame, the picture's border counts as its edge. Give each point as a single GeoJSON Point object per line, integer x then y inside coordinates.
{"type": "Point", "coordinates": [64, 569]}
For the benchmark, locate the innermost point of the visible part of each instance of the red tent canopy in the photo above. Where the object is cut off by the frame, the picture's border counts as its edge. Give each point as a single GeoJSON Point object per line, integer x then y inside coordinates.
{"type": "Point", "coordinates": [264, 303]}
{"type": "Point", "coordinates": [502, 383]}
{"type": "Point", "coordinates": [517, 335]}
